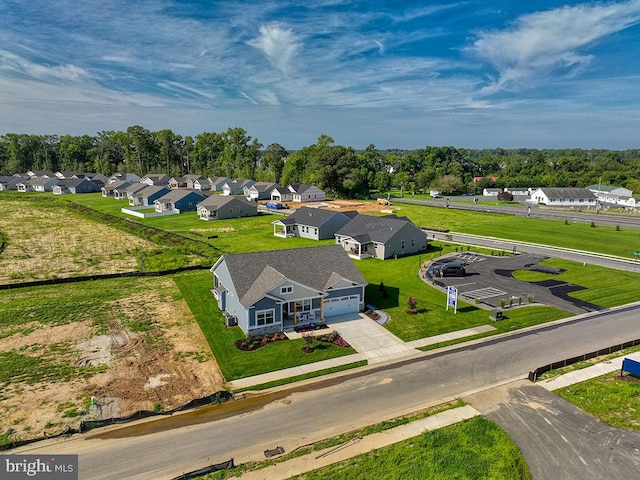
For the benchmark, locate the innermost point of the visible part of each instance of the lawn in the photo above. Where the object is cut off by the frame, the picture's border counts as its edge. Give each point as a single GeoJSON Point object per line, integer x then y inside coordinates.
{"type": "Point", "coordinates": [604, 286]}
{"type": "Point", "coordinates": [580, 236]}
{"type": "Point", "coordinates": [401, 280]}
{"type": "Point", "coordinates": [608, 399]}
{"type": "Point", "coordinates": [473, 449]}
{"type": "Point", "coordinates": [234, 363]}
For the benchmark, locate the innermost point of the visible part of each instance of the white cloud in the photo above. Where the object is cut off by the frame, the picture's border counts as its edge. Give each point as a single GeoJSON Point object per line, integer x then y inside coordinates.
{"type": "Point", "coordinates": [552, 40]}
{"type": "Point", "coordinates": [21, 66]}
{"type": "Point", "coordinates": [279, 44]}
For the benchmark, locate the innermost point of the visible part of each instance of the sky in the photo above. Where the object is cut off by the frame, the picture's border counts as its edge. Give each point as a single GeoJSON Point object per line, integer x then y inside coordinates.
{"type": "Point", "coordinates": [394, 74]}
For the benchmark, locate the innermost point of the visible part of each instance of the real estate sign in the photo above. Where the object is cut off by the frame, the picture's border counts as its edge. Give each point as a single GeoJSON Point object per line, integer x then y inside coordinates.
{"type": "Point", "coordinates": [452, 299]}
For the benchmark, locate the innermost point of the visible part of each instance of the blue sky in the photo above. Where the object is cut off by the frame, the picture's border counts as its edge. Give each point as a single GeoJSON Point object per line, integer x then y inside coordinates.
{"type": "Point", "coordinates": [396, 74]}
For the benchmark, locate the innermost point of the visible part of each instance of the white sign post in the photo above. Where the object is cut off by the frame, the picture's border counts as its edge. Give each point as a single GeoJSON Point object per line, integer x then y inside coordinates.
{"type": "Point", "coordinates": [452, 299]}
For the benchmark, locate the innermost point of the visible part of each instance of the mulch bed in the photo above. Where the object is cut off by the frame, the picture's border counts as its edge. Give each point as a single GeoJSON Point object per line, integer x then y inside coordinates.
{"type": "Point", "coordinates": [253, 343]}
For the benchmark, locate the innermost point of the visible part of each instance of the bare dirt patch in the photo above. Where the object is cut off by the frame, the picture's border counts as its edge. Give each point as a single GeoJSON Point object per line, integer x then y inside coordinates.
{"type": "Point", "coordinates": [361, 206]}
{"type": "Point", "coordinates": [46, 243]}
{"type": "Point", "coordinates": [153, 356]}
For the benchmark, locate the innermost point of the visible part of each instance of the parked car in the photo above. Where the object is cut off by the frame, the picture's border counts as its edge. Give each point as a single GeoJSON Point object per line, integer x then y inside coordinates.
{"type": "Point", "coordinates": [451, 270]}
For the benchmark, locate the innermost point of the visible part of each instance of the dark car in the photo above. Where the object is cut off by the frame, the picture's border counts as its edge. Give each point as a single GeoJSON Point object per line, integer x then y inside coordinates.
{"type": "Point", "coordinates": [451, 270]}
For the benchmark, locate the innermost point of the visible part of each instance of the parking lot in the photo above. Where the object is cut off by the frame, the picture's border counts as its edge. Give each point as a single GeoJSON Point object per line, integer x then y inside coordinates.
{"type": "Point", "coordinates": [489, 280]}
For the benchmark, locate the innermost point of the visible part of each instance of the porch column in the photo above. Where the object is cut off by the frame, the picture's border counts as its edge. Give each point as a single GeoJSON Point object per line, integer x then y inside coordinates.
{"type": "Point", "coordinates": [322, 308]}
{"type": "Point", "coordinates": [295, 311]}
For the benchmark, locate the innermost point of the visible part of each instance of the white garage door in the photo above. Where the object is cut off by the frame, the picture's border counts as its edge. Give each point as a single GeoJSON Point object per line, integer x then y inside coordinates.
{"type": "Point", "coordinates": [340, 305]}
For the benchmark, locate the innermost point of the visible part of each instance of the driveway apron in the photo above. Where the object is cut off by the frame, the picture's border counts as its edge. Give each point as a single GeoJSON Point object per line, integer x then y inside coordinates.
{"type": "Point", "coordinates": [371, 340]}
{"type": "Point", "coordinates": [556, 438]}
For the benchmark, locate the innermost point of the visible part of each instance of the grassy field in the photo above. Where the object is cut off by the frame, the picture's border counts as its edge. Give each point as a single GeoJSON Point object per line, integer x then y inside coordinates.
{"type": "Point", "coordinates": [234, 363]}
{"type": "Point", "coordinates": [401, 279]}
{"type": "Point", "coordinates": [474, 449]}
{"type": "Point", "coordinates": [604, 286]}
{"type": "Point", "coordinates": [607, 398]}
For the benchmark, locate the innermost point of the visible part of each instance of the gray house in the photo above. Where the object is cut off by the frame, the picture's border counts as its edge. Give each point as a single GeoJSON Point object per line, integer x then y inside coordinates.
{"type": "Point", "coordinates": [179, 200]}
{"type": "Point", "coordinates": [381, 237]}
{"type": "Point", "coordinates": [159, 179]}
{"type": "Point", "coordinates": [108, 190]}
{"type": "Point", "coordinates": [11, 183]}
{"type": "Point", "coordinates": [123, 192]}
{"type": "Point", "coordinates": [217, 183]}
{"type": "Point", "coordinates": [220, 207]}
{"type": "Point", "coordinates": [75, 185]}
{"type": "Point", "coordinates": [148, 195]}
{"type": "Point", "coordinates": [313, 223]}
{"type": "Point", "coordinates": [260, 191]}
{"type": "Point", "coordinates": [237, 186]}
{"type": "Point", "coordinates": [280, 289]}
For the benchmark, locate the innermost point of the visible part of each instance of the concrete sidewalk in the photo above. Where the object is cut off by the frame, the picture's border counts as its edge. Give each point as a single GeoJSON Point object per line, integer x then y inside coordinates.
{"type": "Point", "coordinates": [583, 374]}
{"type": "Point", "coordinates": [373, 342]}
{"type": "Point", "coordinates": [322, 458]}
{"type": "Point", "coordinates": [315, 460]}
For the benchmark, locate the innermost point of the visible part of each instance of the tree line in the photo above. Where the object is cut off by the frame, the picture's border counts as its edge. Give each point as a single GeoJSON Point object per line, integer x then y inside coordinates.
{"type": "Point", "coordinates": [340, 170]}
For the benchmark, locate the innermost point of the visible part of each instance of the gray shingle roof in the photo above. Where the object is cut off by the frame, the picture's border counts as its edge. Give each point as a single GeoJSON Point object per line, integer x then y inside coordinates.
{"type": "Point", "coordinates": [178, 194]}
{"type": "Point", "coordinates": [366, 228]}
{"type": "Point", "coordinates": [567, 193]}
{"type": "Point", "coordinates": [313, 217]}
{"type": "Point", "coordinates": [221, 200]}
{"type": "Point", "coordinates": [256, 273]}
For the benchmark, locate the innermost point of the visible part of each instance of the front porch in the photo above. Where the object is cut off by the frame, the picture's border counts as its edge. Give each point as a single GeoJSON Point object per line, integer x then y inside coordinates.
{"type": "Point", "coordinates": [301, 319]}
{"type": "Point", "coordinates": [282, 230]}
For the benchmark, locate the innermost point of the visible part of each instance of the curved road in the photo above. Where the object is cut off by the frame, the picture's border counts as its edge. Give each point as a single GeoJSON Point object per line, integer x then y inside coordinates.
{"type": "Point", "coordinates": [625, 221]}
{"type": "Point", "coordinates": [244, 429]}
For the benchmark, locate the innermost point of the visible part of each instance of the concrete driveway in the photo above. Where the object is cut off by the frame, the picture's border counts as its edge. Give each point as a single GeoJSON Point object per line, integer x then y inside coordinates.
{"type": "Point", "coordinates": [489, 279]}
{"type": "Point", "coordinates": [374, 342]}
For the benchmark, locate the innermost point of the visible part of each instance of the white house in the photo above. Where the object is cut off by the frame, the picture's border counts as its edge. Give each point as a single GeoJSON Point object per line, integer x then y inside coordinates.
{"type": "Point", "coordinates": [305, 193]}
{"type": "Point", "coordinates": [613, 195]}
{"type": "Point", "coordinates": [491, 192]}
{"type": "Point", "coordinates": [564, 197]}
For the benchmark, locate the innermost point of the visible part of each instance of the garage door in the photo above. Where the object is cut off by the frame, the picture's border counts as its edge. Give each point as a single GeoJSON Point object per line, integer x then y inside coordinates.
{"type": "Point", "coordinates": [341, 305]}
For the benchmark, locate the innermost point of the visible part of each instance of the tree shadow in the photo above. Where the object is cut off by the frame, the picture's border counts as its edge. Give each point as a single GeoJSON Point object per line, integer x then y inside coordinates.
{"type": "Point", "coordinates": [386, 298]}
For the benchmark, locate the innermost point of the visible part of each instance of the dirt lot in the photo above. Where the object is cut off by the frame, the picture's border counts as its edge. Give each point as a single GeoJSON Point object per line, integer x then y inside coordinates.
{"type": "Point", "coordinates": [361, 206]}
{"type": "Point", "coordinates": [163, 367]}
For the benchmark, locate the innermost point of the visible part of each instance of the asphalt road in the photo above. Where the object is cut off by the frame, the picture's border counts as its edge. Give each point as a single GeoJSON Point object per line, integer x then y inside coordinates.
{"type": "Point", "coordinates": [244, 429]}
{"type": "Point", "coordinates": [625, 221]}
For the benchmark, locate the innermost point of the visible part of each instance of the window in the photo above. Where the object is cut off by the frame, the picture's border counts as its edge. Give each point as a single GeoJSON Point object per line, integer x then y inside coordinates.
{"type": "Point", "coordinates": [413, 242]}
{"type": "Point", "coordinates": [304, 305]}
{"type": "Point", "coordinates": [265, 317]}
{"type": "Point", "coordinates": [286, 289]}
{"type": "Point", "coordinates": [402, 244]}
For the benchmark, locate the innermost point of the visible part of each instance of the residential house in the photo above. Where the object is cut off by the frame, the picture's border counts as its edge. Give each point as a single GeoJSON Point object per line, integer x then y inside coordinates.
{"type": "Point", "coordinates": [277, 290]}
{"type": "Point", "coordinates": [518, 191]}
{"type": "Point", "coordinates": [122, 193]}
{"type": "Point", "coordinates": [41, 173]}
{"type": "Point", "coordinates": [218, 182]}
{"type": "Point", "coordinates": [220, 207]}
{"type": "Point", "coordinates": [97, 178]}
{"type": "Point", "coordinates": [41, 184]}
{"type": "Point", "coordinates": [306, 193]}
{"type": "Point", "coordinates": [237, 186]}
{"type": "Point", "coordinates": [381, 237]}
{"type": "Point", "coordinates": [108, 190]}
{"type": "Point", "coordinates": [313, 223]}
{"type": "Point", "coordinates": [148, 195]}
{"type": "Point", "coordinates": [479, 179]}
{"type": "Point", "coordinates": [179, 200]}
{"type": "Point", "coordinates": [177, 182]}
{"type": "Point", "coordinates": [11, 183]}
{"type": "Point", "coordinates": [612, 195]}
{"type": "Point", "coordinates": [203, 184]}
{"type": "Point", "coordinates": [281, 194]}
{"type": "Point", "coordinates": [260, 191]}
{"type": "Point", "coordinates": [491, 192]}
{"type": "Point", "coordinates": [75, 185]}
{"type": "Point", "coordinates": [67, 174]}
{"type": "Point", "coordinates": [130, 177]}
{"type": "Point", "coordinates": [157, 179]}
{"type": "Point", "coordinates": [564, 197]}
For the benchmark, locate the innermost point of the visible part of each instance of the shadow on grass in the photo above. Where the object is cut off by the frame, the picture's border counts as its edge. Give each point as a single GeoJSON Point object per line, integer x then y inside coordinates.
{"type": "Point", "coordinates": [387, 298]}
